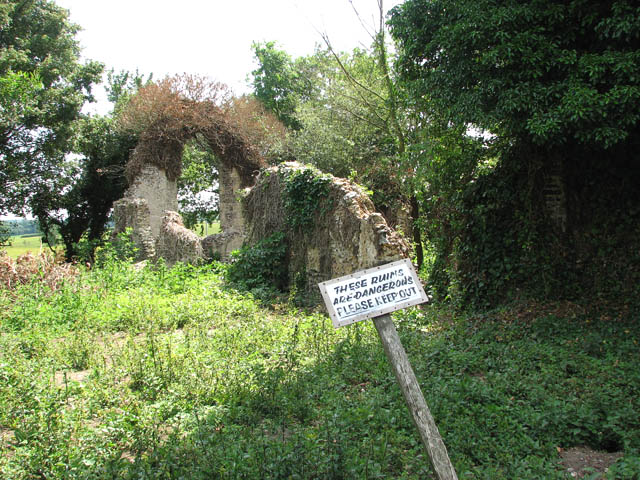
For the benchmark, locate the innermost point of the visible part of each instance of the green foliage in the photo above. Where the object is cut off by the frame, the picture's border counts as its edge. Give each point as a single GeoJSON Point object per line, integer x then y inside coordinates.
{"type": "Point", "coordinates": [163, 373]}
{"type": "Point", "coordinates": [122, 86]}
{"type": "Point", "coordinates": [552, 72]}
{"type": "Point", "coordinates": [260, 268]}
{"type": "Point", "coordinates": [555, 86]}
{"type": "Point", "coordinates": [95, 179]}
{"type": "Point", "coordinates": [347, 125]}
{"type": "Point", "coordinates": [18, 97]}
{"type": "Point", "coordinates": [5, 234]}
{"type": "Point", "coordinates": [343, 124]}
{"type": "Point", "coordinates": [345, 117]}
{"type": "Point", "coordinates": [198, 186]}
{"type": "Point", "coordinates": [43, 87]}
{"type": "Point", "coordinates": [626, 468]}
{"type": "Point", "coordinates": [305, 194]}
{"type": "Point", "coordinates": [23, 226]}
{"type": "Point", "coordinates": [122, 248]}
{"type": "Point", "coordinates": [277, 83]}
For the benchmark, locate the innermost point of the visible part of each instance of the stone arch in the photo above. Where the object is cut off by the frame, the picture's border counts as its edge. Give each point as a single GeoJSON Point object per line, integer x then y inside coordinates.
{"type": "Point", "coordinates": [165, 116]}
{"type": "Point", "coordinates": [346, 233]}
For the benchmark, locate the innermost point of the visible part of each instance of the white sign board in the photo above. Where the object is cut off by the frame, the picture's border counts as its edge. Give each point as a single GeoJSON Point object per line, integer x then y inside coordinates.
{"type": "Point", "coordinates": [372, 292]}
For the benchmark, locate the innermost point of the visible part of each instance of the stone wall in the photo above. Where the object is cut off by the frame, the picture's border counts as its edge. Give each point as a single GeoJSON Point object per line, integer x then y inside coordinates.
{"type": "Point", "coordinates": [134, 213]}
{"type": "Point", "coordinates": [177, 243]}
{"type": "Point", "coordinates": [220, 246]}
{"type": "Point", "coordinates": [160, 193]}
{"type": "Point", "coordinates": [347, 233]}
{"type": "Point", "coordinates": [149, 209]}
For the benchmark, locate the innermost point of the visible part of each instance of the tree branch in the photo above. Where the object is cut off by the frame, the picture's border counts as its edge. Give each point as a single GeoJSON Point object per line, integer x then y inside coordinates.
{"type": "Point", "coordinates": [350, 77]}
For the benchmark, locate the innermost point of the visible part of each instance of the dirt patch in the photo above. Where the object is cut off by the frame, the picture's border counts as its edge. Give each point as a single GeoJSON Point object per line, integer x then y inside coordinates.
{"type": "Point", "coordinates": [79, 376]}
{"type": "Point", "coordinates": [7, 440]}
{"type": "Point", "coordinates": [582, 461]}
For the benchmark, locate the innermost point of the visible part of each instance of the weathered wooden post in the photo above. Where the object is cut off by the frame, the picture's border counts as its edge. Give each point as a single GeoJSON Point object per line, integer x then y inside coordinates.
{"type": "Point", "coordinates": [374, 293]}
{"type": "Point", "coordinates": [416, 403]}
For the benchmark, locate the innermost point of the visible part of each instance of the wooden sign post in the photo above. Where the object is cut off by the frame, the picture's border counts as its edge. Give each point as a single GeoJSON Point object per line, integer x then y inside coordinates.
{"type": "Point", "coordinates": [374, 293]}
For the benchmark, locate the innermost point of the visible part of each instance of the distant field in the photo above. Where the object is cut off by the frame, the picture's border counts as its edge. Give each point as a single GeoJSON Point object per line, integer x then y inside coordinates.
{"type": "Point", "coordinates": [21, 245]}
{"type": "Point", "coordinates": [30, 243]}
{"type": "Point", "coordinates": [204, 229]}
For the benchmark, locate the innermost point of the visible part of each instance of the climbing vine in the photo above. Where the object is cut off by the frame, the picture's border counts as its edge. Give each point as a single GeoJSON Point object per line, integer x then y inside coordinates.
{"type": "Point", "coordinates": [306, 193]}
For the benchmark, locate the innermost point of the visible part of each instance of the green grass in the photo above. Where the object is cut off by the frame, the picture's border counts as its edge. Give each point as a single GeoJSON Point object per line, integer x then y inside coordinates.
{"type": "Point", "coordinates": [166, 373]}
{"type": "Point", "coordinates": [204, 229]}
{"type": "Point", "coordinates": [23, 244]}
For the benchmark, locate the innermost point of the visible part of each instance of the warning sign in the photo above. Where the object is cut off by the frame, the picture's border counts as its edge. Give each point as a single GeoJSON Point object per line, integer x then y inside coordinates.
{"type": "Point", "coordinates": [372, 292]}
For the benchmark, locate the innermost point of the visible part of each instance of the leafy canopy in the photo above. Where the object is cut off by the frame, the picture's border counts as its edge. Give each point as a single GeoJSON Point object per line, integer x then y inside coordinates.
{"type": "Point", "coordinates": [95, 174]}
{"type": "Point", "coordinates": [277, 83]}
{"type": "Point", "coordinates": [554, 72]}
{"type": "Point", "coordinates": [42, 89]}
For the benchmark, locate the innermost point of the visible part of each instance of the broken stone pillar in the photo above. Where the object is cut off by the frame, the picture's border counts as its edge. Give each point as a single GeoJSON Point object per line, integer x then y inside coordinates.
{"type": "Point", "coordinates": [134, 213]}
{"type": "Point", "coordinates": [176, 242]}
{"type": "Point", "coordinates": [160, 193]}
{"type": "Point", "coordinates": [232, 224]}
{"type": "Point", "coordinates": [142, 208]}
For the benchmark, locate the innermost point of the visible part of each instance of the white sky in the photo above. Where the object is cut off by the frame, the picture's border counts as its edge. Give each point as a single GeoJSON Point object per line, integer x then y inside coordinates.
{"type": "Point", "coordinates": [212, 37]}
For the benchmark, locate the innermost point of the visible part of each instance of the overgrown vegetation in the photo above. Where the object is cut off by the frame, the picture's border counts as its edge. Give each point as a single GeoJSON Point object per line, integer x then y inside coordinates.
{"type": "Point", "coordinates": [552, 88]}
{"type": "Point", "coordinates": [305, 196]}
{"type": "Point", "coordinates": [109, 370]}
{"type": "Point", "coordinates": [169, 113]}
{"type": "Point", "coordinates": [261, 268]}
{"type": "Point", "coordinates": [163, 373]}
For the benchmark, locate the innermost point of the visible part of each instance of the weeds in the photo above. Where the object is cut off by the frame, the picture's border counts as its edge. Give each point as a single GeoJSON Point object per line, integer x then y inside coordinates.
{"type": "Point", "coordinates": [42, 270]}
{"type": "Point", "coordinates": [164, 373]}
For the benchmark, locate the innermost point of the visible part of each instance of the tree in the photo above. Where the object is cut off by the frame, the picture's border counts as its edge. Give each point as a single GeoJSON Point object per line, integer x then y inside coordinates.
{"type": "Point", "coordinates": [18, 93]}
{"type": "Point", "coordinates": [42, 87]}
{"type": "Point", "coordinates": [277, 83]}
{"type": "Point", "coordinates": [5, 234]}
{"type": "Point", "coordinates": [94, 178]}
{"type": "Point", "coordinates": [551, 72]}
{"type": "Point", "coordinates": [343, 131]}
{"type": "Point", "coordinates": [350, 120]}
{"type": "Point", "coordinates": [346, 131]}
{"type": "Point", "coordinates": [556, 85]}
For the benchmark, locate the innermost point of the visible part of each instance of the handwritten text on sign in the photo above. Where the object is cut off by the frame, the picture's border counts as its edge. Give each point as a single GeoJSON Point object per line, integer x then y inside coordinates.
{"type": "Point", "coordinates": [372, 292]}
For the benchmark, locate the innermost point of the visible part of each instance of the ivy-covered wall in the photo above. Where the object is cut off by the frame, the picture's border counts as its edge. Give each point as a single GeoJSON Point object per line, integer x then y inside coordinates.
{"type": "Point", "coordinates": [329, 225]}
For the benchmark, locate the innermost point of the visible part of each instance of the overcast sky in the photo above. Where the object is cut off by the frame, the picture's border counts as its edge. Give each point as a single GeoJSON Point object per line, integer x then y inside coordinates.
{"type": "Point", "coordinates": [213, 37]}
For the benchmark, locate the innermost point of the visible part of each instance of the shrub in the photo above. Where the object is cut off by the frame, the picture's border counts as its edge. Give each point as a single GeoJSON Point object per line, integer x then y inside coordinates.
{"type": "Point", "coordinates": [120, 249]}
{"type": "Point", "coordinates": [42, 268]}
{"type": "Point", "coordinates": [262, 267]}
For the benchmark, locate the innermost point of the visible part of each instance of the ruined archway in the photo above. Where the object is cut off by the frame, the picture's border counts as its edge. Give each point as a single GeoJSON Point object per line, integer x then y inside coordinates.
{"type": "Point", "coordinates": [165, 116]}
{"type": "Point", "coordinates": [343, 232]}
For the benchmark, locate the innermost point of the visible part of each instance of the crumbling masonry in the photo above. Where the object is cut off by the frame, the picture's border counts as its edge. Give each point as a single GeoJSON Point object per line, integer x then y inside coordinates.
{"type": "Point", "coordinates": [349, 235]}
